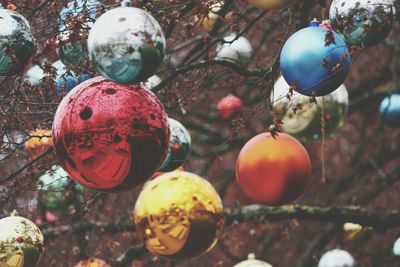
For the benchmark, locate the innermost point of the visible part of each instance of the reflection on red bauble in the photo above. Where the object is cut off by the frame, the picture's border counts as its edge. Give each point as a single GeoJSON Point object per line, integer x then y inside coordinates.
{"type": "Point", "coordinates": [273, 171]}
{"type": "Point", "coordinates": [229, 107]}
{"type": "Point", "coordinates": [110, 136]}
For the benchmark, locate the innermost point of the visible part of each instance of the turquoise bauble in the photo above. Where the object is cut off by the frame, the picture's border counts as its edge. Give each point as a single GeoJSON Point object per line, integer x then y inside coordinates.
{"type": "Point", "coordinates": [390, 110]}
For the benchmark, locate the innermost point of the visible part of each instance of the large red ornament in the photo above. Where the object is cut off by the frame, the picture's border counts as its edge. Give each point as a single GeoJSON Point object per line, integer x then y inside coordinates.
{"type": "Point", "coordinates": [273, 171]}
{"type": "Point", "coordinates": [110, 136]}
{"type": "Point", "coordinates": [229, 107]}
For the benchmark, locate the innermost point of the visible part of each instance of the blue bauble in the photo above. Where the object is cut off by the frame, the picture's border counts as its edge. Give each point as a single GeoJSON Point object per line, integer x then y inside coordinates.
{"type": "Point", "coordinates": [84, 77]}
{"type": "Point", "coordinates": [390, 110]}
{"type": "Point", "coordinates": [65, 84]}
{"type": "Point", "coordinates": [312, 66]}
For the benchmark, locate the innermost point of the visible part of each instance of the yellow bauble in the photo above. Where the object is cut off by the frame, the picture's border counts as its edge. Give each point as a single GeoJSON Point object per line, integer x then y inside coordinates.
{"type": "Point", "coordinates": [178, 215]}
{"type": "Point", "coordinates": [208, 21]}
{"type": "Point", "coordinates": [271, 4]}
{"type": "Point", "coordinates": [38, 143]}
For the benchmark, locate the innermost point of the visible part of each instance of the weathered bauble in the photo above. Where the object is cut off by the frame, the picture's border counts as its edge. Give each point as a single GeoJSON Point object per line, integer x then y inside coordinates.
{"type": "Point", "coordinates": [396, 247]}
{"type": "Point", "coordinates": [337, 258]}
{"type": "Point", "coordinates": [362, 22]}
{"type": "Point", "coordinates": [21, 242]}
{"type": "Point", "coordinates": [38, 143]}
{"type": "Point", "coordinates": [273, 170]}
{"type": "Point", "coordinates": [93, 262]}
{"type": "Point", "coordinates": [229, 107]}
{"type": "Point", "coordinates": [17, 43]}
{"type": "Point", "coordinates": [235, 50]}
{"type": "Point", "coordinates": [179, 146]}
{"type": "Point", "coordinates": [390, 110]}
{"type": "Point", "coordinates": [131, 50]}
{"type": "Point", "coordinates": [301, 116]}
{"type": "Point", "coordinates": [252, 262]}
{"type": "Point", "coordinates": [74, 25]}
{"type": "Point", "coordinates": [110, 136]}
{"type": "Point", "coordinates": [178, 215]}
{"type": "Point", "coordinates": [313, 66]}
{"type": "Point", "coordinates": [271, 4]}
{"type": "Point", "coordinates": [152, 82]}
{"type": "Point", "coordinates": [56, 190]}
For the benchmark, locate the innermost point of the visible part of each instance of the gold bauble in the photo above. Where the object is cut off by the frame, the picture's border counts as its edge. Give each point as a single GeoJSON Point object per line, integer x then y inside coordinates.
{"type": "Point", "coordinates": [21, 242]}
{"type": "Point", "coordinates": [208, 21]}
{"type": "Point", "coordinates": [178, 215]}
{"type": "Point", "coordinates": [38, 143]}
{"type": "Point", "coordinates": [271, 4]}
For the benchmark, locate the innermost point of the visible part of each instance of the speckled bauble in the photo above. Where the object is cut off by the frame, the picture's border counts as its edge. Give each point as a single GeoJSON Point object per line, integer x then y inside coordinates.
{"type": "Point", "coordinates": [21, 242]}
{"type": "Point", "coordinates": [110, 136]}
{"type": "Point", "coordinates": [312, 66]}
{"type": "Point", "coordinates": [73, 47]}
{"type": "Point", "coordinates": [235, 50]}
{"type": "Point", "coordinates": [56, 190]}
{"type": "Point", "coordinates": [131, 50]}
{"type": "Point", "coordinates": [337, 258]}
{"type": "Point", "coordinates": [252, 262]}
{"type": "Point", "coordinates": [362, 22]}
{"type": "Point", "coordinates": [301, 117]}
{"type": "Point", "coordinates": [229, 107]}
{"type": "Point", "coordinates": [93, 262]}
{"type": "Point", "coordinates": [396, 247]}
{"type": "Point", "coordinates": [17, 43]}
{"type": "Point", "coordinates": [179, 146]}
{"type": "Point", "coordinates": [273, 170]}
{"type": "Point", "coordinates": [38, 143]}
{"type": "Point", "coordinates": [178, 215]}
{"type": "Point", "coordinates": [390, 110]}
{"type": "Point", "coordinates": [271, 4]}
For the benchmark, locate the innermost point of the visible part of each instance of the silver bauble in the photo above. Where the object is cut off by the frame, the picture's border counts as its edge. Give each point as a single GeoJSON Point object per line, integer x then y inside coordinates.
{"type": "Point", "coordinates": [235, 50]}
{"type": "Point", "coordinates": [337, 258]}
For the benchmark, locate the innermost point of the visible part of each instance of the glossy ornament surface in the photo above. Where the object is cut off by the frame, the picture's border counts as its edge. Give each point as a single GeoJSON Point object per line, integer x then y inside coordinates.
{"type": "Point", "coordinates": [110, 136]}
{"type": "Point", "coordinates": [56, 189]}
{"type": "Point", "coordinates": [237, 51]}
{"type": "Point", "coordinates": [21, 242]}
{"type": "Point", "coordinates": [362, 22]}
{"type": "Point", "coordinates": [131, 50]}
{"type": "Point", "coordinates": [337, 258]}
{"type": "Point", "coordinates": [396, 247]}
{"type": "Point", "coordinates": [301, 117]}
{"type": "Point", "coordinates": [178, 215]}
{"type": "Point", "coordinates": [93, 262]}
{"type": "Point", "coordinates": [313, 67]}
{"type": "Point", "coordinates": [17, 43]}
{"type": "Point", "coordinates": [39, 142]}
{"type": "Point", "coordinates": [271, 4]}
{"type": "Point", "coordinates": [252, 262]}
{"type": "Point", "coordinates": [390, 110]}
{"type": "Point", "coordinates": [73, 45]}
{"type": "Point", "coordinates": [273, 171]}
{"type": "Point", "coordinates": [179, 146]}
{"type": "Point", "coordinates": [229, 107]}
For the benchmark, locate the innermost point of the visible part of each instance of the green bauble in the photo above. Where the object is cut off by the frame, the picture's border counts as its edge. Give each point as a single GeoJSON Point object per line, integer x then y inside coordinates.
{"type": "Point", "coordinates": [56, 190]}
{"type": "Point", "coordinates": [302, 118]}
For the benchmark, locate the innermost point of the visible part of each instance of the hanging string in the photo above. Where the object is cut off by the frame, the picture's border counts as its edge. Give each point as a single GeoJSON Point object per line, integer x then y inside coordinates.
{"type": "Point", "coordinates": [323, 174]}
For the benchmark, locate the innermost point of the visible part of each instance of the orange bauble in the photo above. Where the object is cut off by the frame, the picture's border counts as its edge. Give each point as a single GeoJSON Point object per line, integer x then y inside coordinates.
{"type": "Point", "coordinates": [38, 143]}
{"type": "Point", "coordinates": [273, 171]}
{"type": "Point", "coordinates": [93, 262]}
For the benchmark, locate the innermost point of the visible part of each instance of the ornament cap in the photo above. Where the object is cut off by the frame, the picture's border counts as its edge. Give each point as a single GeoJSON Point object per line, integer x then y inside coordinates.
{"type": "Point", "coordinates": [251, 256]}
{"type": "Point", "coordinates": [14, 213]}
{"type": "Point", "coordinates": [126, 3]}
{"type": "Point", "coordinates": [314, 23]}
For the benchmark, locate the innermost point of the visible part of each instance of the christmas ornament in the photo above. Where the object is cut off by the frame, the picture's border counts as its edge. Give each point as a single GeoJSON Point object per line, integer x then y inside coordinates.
{"type": "Point", "coordinates": [74, 25]}
{"type": "Point", "coordinates": [301, 116]}
{"type": "Point", "coordinates": [237, 50]}
{"type": "Point", "coordinates": [315, 61]}
{"type": "Point", "coordinates": [152, 82]}
{"type": "Point", "coordinates": [208, 21]}
{"type": "Point", "coordinates": [110, 136]}
{"type": "Point", "coordinates": [337, 258]}
{"type": "Point", "coordinates": [252, 262]}
{"type": "Point", "coordinates": [390, 110]}
{"type": "Point", "coordinates": [56, 190]}
{"type": "Point", "coordinates": [34, 75]}
{"type": "Point", "coordinates": [396, 247]}
{"type": "Point", "coordinates": [178, 215]}
{"type": "Point", "coordinates": [130, 51]}
{"type": "Point", "coordinates": [179, 146]}
{"type": "Point", "coordinates": [229, 107]}
{"type": "Point", "coordinates": [21, 242]}
{"type": "Point", "coordinates": [93, 262]}
{"type": "Point", "coordinates": [352, 230]}
{"type": "Point", "coordinates": [362, 22]}
{"type": "Point", "coordinates": [273, 170]}
{"type": "Point", "coordinates": [38, 143]}
{"type": "Point", "coordinates": [271, 4]}
{"type": "Point", "coordinates": [17, 43]}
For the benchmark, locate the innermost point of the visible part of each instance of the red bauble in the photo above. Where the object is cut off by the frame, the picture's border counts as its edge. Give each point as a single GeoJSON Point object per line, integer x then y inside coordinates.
{"type": "Point", "coordinates": [229, 107]}
{"type": "Point", "coordinates": [273, 171]}
{"type": "Point", "coordinates": [110, 136]}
